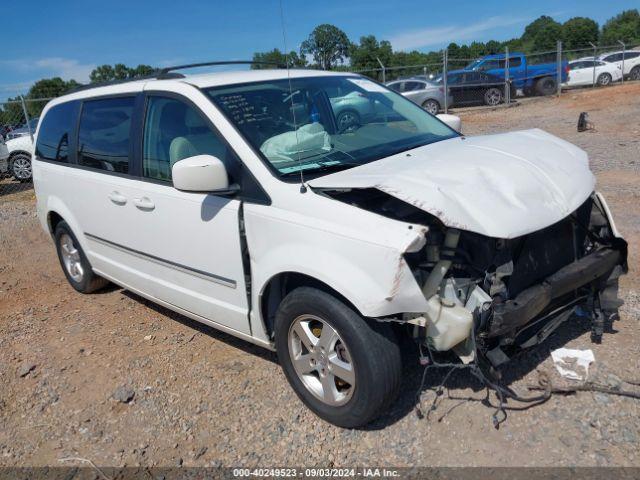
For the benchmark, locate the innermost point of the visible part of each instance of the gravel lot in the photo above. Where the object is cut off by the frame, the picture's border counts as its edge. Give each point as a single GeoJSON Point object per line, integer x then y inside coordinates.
{"type": "Point", "coordinates": [112, 378]}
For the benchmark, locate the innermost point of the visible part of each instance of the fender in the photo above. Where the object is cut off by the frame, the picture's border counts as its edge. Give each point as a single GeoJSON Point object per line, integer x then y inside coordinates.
{"type": "Point", "coordinates": [55, 204]}
{"type": "Point", "coordinates": [374, 278]}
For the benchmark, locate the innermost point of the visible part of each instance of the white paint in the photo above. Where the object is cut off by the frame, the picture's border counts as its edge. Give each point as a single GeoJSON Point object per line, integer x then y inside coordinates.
{"type": "Point", "coordinates": [503, 186]}
{"type": "Point", "coordinates": [201, 173]}
{"type": "Point", "coordinates": [452, 120]}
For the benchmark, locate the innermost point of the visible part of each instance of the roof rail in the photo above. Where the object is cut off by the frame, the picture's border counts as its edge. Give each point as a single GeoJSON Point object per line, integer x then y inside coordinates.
{"type": "Point", "coordinates": [167, 73]}
{"type": "Point", "coordinates": [167, 70]}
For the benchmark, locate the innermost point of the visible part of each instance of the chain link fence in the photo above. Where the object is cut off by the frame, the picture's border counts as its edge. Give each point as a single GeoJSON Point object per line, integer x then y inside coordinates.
{"type": "Point", "coordinates": [18, 122]}
{"type": "Point", "coordinates": [490, 81]}
{"type": "Point", "coordinates": [503, 78]}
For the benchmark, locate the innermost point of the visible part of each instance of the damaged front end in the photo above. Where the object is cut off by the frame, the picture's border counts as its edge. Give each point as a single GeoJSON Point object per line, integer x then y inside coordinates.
{"type": "Point", "coordinates": [491, 296]}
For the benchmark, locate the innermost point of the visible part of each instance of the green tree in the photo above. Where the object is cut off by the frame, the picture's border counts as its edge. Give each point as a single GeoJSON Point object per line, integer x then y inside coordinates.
{"type": "Point", "coordinates": [45, 89]}
{"type": "Point", "coordinates": [365, 54]}
{"type": "Point", "coordinates": [541, 35]}
{"type": "Point", "coordinates": [119, 71]}
{"type": "Point", "coordinates": [577, 32]}
{"type": "Point", "coordinates": [624, 27]}
{"type": "Point", "coordinates": [11, 113]}
{"type": "Point", "coordinates": [103, 73]}
{"type": "Point", "coordinates": [328, 45]}
{"type": "Point", "coordinates": [275, 56]}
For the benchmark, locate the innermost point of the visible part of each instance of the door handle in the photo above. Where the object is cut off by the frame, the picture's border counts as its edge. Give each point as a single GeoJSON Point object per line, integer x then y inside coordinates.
{"type": "Point", "coordinates": [117, 198]}
{"type": "Point", "coordinates": [144, 203]}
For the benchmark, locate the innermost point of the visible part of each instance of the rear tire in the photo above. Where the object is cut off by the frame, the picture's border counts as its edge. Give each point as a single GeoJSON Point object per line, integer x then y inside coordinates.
{"type": "Point", "coordinates": [546, 86]}
{"type": "Point", "coordinates": [349, 390]}
{"type": "Point", "coordinates": [431, 106]}
{"type": "Point", "coordinates": [604, 79]}
{"type": "Point", "coordinates": [635, 73]}
{"type": "Point", "coordinates": [74, 262]}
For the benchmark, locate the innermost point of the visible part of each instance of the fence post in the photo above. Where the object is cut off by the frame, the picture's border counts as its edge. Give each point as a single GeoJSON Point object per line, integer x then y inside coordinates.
{"type": "Point", "coordinates": [594, 64]}
{"type": "Point", "coordinates": [507, 89]}
{"type": "Point", "coordinates": [559, 68]}
{"type": "Point", "coordinates": [384, 73]}
{"type": "Point", "coordinates": [445, 60]}
{"type": "Point", "coordinates": [26, 116]}
{"type": "Point", "coordinates": [623, 55]}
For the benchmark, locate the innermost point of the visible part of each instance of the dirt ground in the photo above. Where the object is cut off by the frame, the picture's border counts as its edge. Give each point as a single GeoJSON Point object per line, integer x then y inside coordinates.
{"type": "Point", "coordinates": [69, 363]}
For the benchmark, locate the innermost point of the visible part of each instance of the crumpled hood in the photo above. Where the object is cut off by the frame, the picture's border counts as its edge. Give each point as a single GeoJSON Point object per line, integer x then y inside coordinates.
{"type": "Point", "coordinates": [502, 186]}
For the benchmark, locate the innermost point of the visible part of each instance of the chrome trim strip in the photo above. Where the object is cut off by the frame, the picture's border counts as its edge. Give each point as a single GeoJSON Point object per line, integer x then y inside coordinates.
{"type": "Point", "coordinates": [227, 282]}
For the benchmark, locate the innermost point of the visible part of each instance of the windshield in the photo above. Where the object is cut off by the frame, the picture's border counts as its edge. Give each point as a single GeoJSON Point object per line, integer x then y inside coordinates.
{"type": "Point", "coordinates": [324, 124]}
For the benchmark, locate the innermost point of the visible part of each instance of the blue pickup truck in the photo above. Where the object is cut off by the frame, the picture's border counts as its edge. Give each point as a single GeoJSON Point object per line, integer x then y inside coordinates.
{"type": "Point", "coordinates": [539, 79]}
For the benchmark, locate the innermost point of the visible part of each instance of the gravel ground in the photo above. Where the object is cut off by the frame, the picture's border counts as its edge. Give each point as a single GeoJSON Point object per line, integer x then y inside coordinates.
{"type": "Point", "coordinates": [112, 378]}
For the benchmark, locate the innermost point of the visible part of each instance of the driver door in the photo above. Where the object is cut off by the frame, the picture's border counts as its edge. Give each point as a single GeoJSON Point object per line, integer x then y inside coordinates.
{"type": "Point", "coordinates": [186, 245]}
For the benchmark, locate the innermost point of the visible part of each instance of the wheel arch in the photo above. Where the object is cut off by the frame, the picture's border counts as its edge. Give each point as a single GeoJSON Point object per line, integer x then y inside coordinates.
{"type": "Point", "coordinates": [19, 152]}
{"type": "Point", "coordinates": [281, 284]}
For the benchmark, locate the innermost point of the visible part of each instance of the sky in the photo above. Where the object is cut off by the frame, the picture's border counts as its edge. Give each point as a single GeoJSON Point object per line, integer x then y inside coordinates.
{"type": "Point", "coordinates": [69, 38]}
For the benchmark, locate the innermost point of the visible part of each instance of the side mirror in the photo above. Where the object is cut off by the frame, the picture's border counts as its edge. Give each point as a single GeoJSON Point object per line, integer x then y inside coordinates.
{"type": "Point", "coordinates": [452, 120]}
{"type": "Point", "coordinates": [202, 173]}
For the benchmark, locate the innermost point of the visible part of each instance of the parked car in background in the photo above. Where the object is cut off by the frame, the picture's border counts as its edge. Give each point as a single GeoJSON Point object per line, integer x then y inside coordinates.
{"type": "Point", "coordinates": [473, 88]}
{"type": "Point", "coordinates": [4, 131]}
{"type": "Point", "coordinates": [4, 159]}
{"type": "Point", "coordinates": [428, 95]}
{"type": "Point", "coordinates": [538, 79]}
{"type": "Point", "coordinates": [20, 150]}
{"type": "Point", "coordinates": [586, 72]}
{"type": "Point", "coordinates": [351, 110]}
{"type": "Point", "coordinates": [631, 62]}
{"type": "Point", "coordinates": [24, 130]}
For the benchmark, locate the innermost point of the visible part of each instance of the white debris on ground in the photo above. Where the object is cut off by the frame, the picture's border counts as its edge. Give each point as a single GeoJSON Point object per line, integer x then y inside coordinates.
{"type": "Point", "coordinates": [573, 364]}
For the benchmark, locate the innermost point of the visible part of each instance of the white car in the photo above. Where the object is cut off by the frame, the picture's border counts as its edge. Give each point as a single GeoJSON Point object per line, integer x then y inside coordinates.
{"type": "Point", "coordinates": [629, 60]}
{"type": "Point", "coordinates": [211, 196]}
{"type": "Point", "coordinates": [586, 72]}
{"type": "Point", "coordinates": [20, 150]}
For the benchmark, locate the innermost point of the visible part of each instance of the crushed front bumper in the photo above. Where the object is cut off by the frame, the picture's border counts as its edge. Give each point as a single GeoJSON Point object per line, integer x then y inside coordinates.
{"type": "Point", "coordinates": [517, 312]}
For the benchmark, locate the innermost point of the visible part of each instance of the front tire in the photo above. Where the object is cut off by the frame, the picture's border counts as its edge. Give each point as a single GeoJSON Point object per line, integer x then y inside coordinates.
{"type": "Point", "coordinates": [20, 167]}
{"type": "Point", "coordinates": [348, 120]}
{"type": "Point", "coordinates": [604, 79]}
{"type": "Point", "coordinates": [635, 73]}
{"type": "Point", "coordinates": [345, 369]}
{"type": "Point", "coordinates": [431, 106]}
{"type": "Point", "coordinates": [493, 97]}
{"type": "Point", "coordinates": [74, 262]}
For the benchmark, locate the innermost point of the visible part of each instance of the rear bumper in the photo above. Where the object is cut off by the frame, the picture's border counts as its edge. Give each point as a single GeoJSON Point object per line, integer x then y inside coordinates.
{"type": "Point", "coordinates": [529, 303]}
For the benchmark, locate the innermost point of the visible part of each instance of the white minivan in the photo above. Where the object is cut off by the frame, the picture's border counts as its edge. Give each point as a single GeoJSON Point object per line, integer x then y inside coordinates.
{"type": "Point", "coordinates": [239, 200]}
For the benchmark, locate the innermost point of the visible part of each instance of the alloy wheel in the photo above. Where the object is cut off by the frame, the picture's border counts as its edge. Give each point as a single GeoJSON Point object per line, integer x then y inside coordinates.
{"type": "Point", "coordinates": [22, 167]}
{"type": "Point", "coordinates": [321, 360]}
{"type": "Point", "coordinates": [71, 258]}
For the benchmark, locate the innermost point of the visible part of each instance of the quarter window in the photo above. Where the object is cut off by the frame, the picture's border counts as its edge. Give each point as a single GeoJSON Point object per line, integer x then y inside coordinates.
{"type": "Point", "coordinates": [104, 136]}
{"type": "Point", "coordinates": [174, 131]}
{"type": "Point", "coordinates": [53, 138]}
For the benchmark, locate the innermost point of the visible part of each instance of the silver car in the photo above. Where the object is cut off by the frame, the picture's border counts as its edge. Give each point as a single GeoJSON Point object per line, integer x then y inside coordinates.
{"type": "Point", "coordinates": [422, 92]}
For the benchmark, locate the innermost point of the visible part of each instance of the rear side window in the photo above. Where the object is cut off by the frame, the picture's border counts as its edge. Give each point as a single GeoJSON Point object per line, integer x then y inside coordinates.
{"type": "Point", "coordinates": [174, 131]}
{"type": "Point", "coordinates": [104, 134]}
{"type": "Point", "coordinates": [55, 131]}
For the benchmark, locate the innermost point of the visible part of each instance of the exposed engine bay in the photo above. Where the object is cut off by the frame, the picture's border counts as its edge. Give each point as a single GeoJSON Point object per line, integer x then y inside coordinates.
{"type": "Point", "coordinates": [491, 296]}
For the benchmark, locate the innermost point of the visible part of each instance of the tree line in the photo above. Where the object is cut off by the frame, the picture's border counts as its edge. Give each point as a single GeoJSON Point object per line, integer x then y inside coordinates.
{"type": "Point", "coordinates": [328, 47]}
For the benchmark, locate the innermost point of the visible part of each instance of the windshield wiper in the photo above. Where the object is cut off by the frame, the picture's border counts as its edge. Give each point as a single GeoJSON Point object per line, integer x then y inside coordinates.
{"type": "Point", "coordinates": [324, 167]}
